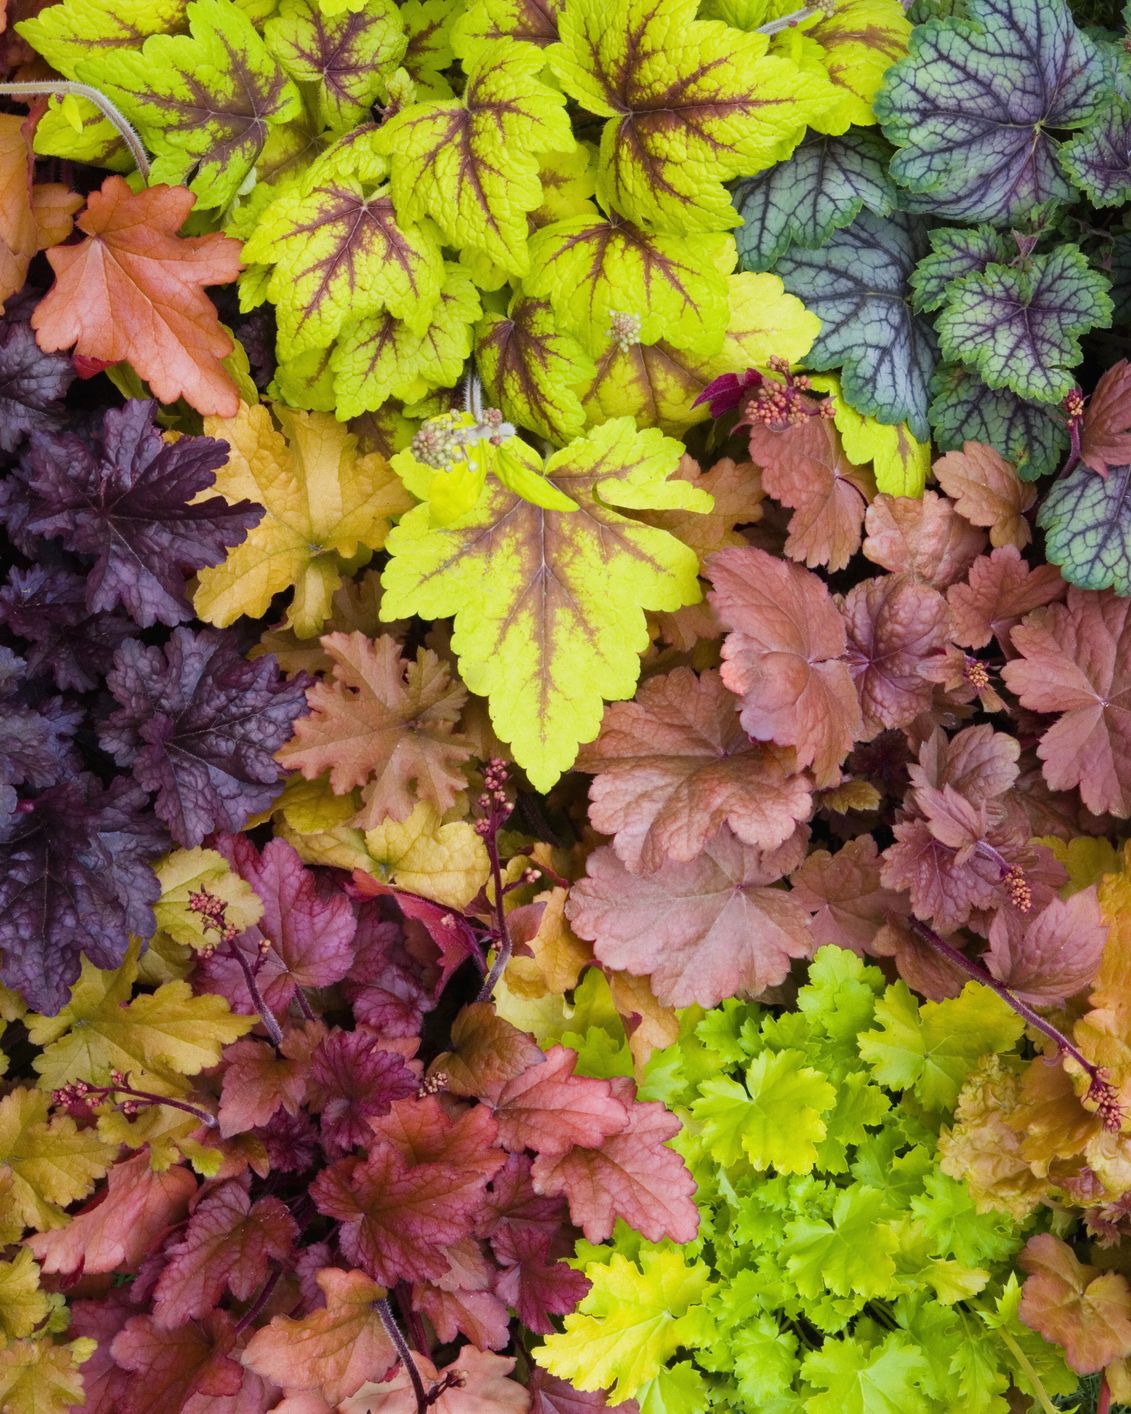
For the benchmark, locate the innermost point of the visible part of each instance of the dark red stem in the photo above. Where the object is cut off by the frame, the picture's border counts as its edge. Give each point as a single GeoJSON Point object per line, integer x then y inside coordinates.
{"type": "Point", "coordinates": [260, 1301]}
{"type": "Point", "coordinates": [502, 929]}
{"type": "Point", "coordinates": [151, 1098]}
{"type": "Point", "coordinates": [265, 1013]}
{"type": "Point", "coordinates": [389, 1321]}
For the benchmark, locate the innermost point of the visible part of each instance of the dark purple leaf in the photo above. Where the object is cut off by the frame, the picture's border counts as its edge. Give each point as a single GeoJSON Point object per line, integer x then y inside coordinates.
{"type": "Point", "coordinates": [726, 392]}
{"type": "Point", "coordinates": [32, 384]}
{"type": "Point", "coordinates": [46, 606]}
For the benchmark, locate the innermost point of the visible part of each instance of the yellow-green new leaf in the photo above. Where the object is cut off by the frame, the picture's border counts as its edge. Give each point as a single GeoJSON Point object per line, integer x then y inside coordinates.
{"type": "Point", "coordinates": [549, 605]}
{"type": "Point", "coordinates": [856, 45]}
{"type": "Point", "coordinates": [532, 369]}
{"type": "Point", "coordinates": [901, 462]}
{"type": "Point", "coordinates": [470, 164]}
{"type": "Point", "coordinates": [45, 1162]}
{"type": "Point", "coordinates": [187, 871]}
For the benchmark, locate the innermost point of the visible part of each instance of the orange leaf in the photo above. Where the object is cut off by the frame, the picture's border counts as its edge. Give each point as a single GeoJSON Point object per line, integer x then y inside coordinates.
{"type": "Point", "coordinates": [31, 218]}
{"type": "Point", "coordinates": [134, 291]}
{"type": "Point", "coordinates": [987, 491]}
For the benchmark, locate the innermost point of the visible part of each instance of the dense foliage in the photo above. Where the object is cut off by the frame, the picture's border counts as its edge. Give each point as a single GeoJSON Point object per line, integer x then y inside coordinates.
{"type": "Point", "coordinates": [543, 867]}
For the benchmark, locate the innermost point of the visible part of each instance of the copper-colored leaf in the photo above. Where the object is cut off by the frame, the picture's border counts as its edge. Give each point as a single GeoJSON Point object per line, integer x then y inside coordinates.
{"type": "Point", "coordinates": [925, 538]}
{"type": "Point", "coordinates": [1000, 590]}
{"type": "Point", "coordinates": [1074, 1305]}
{"type": "Point", "coordinates": [1106, 440]}
{"type": "Point", "coordinates": [894, 624]}
{"type": "Point", "coordinates": [987, 491]}
{"type": "Point", "coordinates": [31, 217]}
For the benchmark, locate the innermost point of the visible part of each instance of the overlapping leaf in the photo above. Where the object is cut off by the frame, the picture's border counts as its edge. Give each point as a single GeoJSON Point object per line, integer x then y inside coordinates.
{"type": "Point", "coordinates": [1087, 524]}
{"type": "Point", "coordinates": [532, 369]}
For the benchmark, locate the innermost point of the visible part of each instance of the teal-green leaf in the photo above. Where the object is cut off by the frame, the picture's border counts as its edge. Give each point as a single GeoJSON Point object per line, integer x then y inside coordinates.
{"type": "Point", "coordinates": [1087, 523]}
{"type": "Point", "coordinates": [1099, 159]}
{"type": "Point", "coordinates": [955, 251]}
{"type": "Point", "coordinates": [1033, 436]}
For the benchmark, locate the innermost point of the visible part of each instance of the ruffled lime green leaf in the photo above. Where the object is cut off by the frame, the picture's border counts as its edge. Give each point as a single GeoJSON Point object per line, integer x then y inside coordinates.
{"type": "Point", "coordinates": [470, 164]}
{"type": "Point", "coordinates": [304, 381]}
{"type": "Point", "coordinates": [849, 1253]}
{"type": "Point", "coordinates": [674, 1390]}
{"type": "Point", "coordinates": [532, 369]}
{"type": "Point", "coordinates": [549, 605]}
{"type": "Point", "coordinates": [955, 251]}
{"type": "Point", "coordinates": [857, 284]}
{"type": "Point", "coordinates": [341, 61]}
{"type": "Point", "coordinates": [340, 254]}
{"type": "Point", "coordinates": [1099, 158]}
{"type": "Point", "coordinates": [858, 1379]}
{"type": "Point", "coordinates": [380, 357]}
{"type": "Point", "coordinates": [1087, 523]}
{"type": "Point", "coordinates": [630, 1322]}
{"type": "Point", "coordinates": [974, 105]}
{"type": "Point", "coordinates": [1017, 325]}
{"type": "Point", "coordinates": [1033, 436]}
{"type": "Point", "coordinates": [775, 1121]}
{"type": "Point", "coordinates": [486, 22]}
{"type": "Point", "coordinates": [691, 104]}
{"type": "Point", "coordinates": [825, 185]}
{"type": "Point", "coordinates": [856, 45]}
{"type": "Point", "coordinates": [74, 129]}
{"type": "Point", "coordinates": [594, 270]}
{"type": "Point", "coordinates": [203, 101]}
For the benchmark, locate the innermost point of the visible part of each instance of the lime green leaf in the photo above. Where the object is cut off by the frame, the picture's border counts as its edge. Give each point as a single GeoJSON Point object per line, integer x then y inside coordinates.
{"type": "Point", "coordinates": [632, 1319]}
{"type": "Point", "coordinates": [46, 1161]}
{"type": "Point", "coordinates": [849, 1253]}
{"type": "Point", "coordinates": [343, 59]}
{"type": "Point", "coordinates": [691, 103]}
{"type": "Point", "coordinates": [340, 254]}
{"type": "Point", "coordinates": [857, 43]}
{"type": "Point", "coordinates": [929, 1048]}
{"type": "Point", "coordinates": [185, 872]}
{"type": "Point", "coordinates": [775, 1121]}
{"type": "Point", "coordinates": [858, 1380]}
{"type": "Point", "coordinates": [901, 462]}
{"type": "Point", "coordinates": [569, 180]}
{"type": "Point", "coordinates": [381, 357]}
{"type": "Point", "coordinates": [531, 369]}
{"type": "Point", "coordinates": [485, 22]}
{"type": "Point", "coordinates": [470, 163]}
{"type": "Point", "coordinates": [428, 25]}
{"type": "Point", "coordinates": [549, 605]}
{"type": "Point", "coordinates": [202, 101]}
{"type": "Point", "coordinates": [675, 1390]}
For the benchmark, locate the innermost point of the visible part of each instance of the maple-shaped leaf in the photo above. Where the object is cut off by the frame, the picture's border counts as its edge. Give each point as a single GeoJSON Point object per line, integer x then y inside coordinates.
{"type": "Point", "coordinates": [123, 1224]}
{"type": "Point", "coordinates": [134, 290]}
{"type": "Point", "coordinates": [1000, 589]}
{"type": "Point", "coordinates": [1076, 660]}
{"type": "Point", "coordinates": [987, 491]}
{"type": "Point", "coordinates": [323, 504]}
{"type": "Point", "coordinates": [632, 1175]}
{"type": "Point", "coordinates": [700, 931]}
{"type": "Point", "coordinates": [123, 497]}
{"type": "Point", "coordinates": [865, 1380]}
{"type": "Point", "coordinates": [551, 1395]}
{"type": "Point", "coordinates": [805, 468]}
{"type": "Point", "coordinates": [857, 285]}
{"type": "Point", "coordinates": [549, 604]}
{"type": "Point", "coordinates": [351, 1078]}
{"type": "Point", "coordinates": [1054, 955]}
{"type": "Point", "coordinates": [385, 724]}
{"type": "Point", "coordinates": [691, 103]}
{"type": "Point", "coordinates": [471, 164]}
{"type": "Point", "coordinates": [228, 1243]}
{"type": "Point", "coordinates": [955, 251]}
{"type": "Point", "coordinates": [825, 185]}
{"type": "Point", "coordinates": [893, 625]}
{"type": "Point", "coordinates": [531, 1282]}
{"type": "Point", "coordinates": [170, 1367]}
{"type": "Point", "coordinates": [308, 927]}
{"type": "Point", "coordinates": [33, 217]}
{"type": "Point", "coordinates": [1084, 1309]}
{"type": "Point", "coordinates": [204, 101]}
{"type": "Point", "coordinates": [674, 766]}
{"type": "Point", "coordinates": [924, 538]}
{"type": "Point", "coordinates": [531, 369]}
{"type": "Point", "coordinates": [32, 385]}
{"type": "Point", "coordinates": [345, 58]}
{"type": "Point", "coordinates": [75, 880]}
{"type": "Point", "coordinates": [774, 1119]}
{"type": "Point", "coordinates": [782, 657]}
{"type": "Point", "coordinates": [102, 1029]}
{"type": "Point", "coordinates": [42, 1377]}
{"type": "Point", "coordinates": [487, 1052]}
{"type": "Point", "coordinates": [549, 1109]}
{"type": "Point", "coordinates": [260, 1080]}
{"type": "Point", "coordinates": [1106, 434]}
{"type": "Point", "coordinates": [1087, 525]}
{"type": "Point", "coordinates": [197, 724]}
{"type": "Point", "coordinates": [46, 1163]}
{"type": "Point", "coordinates": [1032, 436]}
{"type": "Point", "coordinates": [340, 253]}
{"type": "Point", "coordinates": [1011, 70]}
{"type": "Point", "coordinates": [46, 606]}
{"type": "Point", "coordinates": [844, 894]}
{"type": "Point", "coordinates": [1018, 325]}
{"type": "Point", "coordinates": [478, 1384]}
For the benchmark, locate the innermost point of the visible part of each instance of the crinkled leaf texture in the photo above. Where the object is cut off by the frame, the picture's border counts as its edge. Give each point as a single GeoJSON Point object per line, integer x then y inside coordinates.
{"type": "Point", "coordinates": [1087, 525]}
{"type": "Point", "coordinates": [964, 408]}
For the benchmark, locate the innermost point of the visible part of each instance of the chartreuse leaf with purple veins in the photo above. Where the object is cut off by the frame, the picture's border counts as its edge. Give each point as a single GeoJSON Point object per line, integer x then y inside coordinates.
{"type": "Point", "coordinates": [690, 105]}
{"type": "Point", "coordinates": [955, 251]}
{"type": "Point", "coordinates": [204, 102]}
{"type": "Point", "coordinates": [1087, 523]}
{"type": "Point", "coordinates": [1033, 436]}
{"type": "Point", "coordinates": [532, 369]}
{"type": "Point", "coordinates": [485, 22]}
{"type": "Point", "coordinates": [825, 185]}
{"type": "Point", "coordinates": [857, 284]}
{"type": "Point", "coordinates": [974, 106]}
{"type": "Point", "coordinates": [339, 61]}
{"type": "Point", "coordinates": [471, 163]}
{"type": "Point", "coordinates": [1017, 325]}
{"type": "Point", "coordinates": [340, 253]}
{"type": "Point", "coordinates": [1099, 159]}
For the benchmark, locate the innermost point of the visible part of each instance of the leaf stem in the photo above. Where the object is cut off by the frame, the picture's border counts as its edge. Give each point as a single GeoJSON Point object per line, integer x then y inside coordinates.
{"type": "Point", "coordinates": [1040, 1394]}
{"type": "Point", "coordinates": [266, 1015]}
{"type": "Point", "coordinates": [498, 807]}
{"type": "Point", "coordinates": [52, 88]}
{"type": "Point", "coordinates": [389, 1321]}
{"type": "Point", "coordinates": [791, 21]}
{"type": "Point", "coordinates": [260, 1301]}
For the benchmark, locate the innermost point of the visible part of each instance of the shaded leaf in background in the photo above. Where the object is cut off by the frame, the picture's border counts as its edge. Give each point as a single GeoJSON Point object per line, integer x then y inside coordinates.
{"type": "Point", "coordinates": [1054, 954]}
{"type": "Point", "coordinates": [1033, 436]}
{"type": "Point", "coordinates": [32, 385]}
{"type": "Point", "coordinates": [1099, 159]}
{"type": "Point", "coordinates": [46, 606]}
{"type": "Point", "coordinates": [31, 217]}
{"type": "Point", "coordinates": [1087, 525]}
{"type": "Point", "coordinates": [1106, 435]}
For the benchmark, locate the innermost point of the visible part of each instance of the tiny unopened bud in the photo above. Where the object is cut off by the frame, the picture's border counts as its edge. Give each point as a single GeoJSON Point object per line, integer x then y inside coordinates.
{"type": "Point", "coordinates": [433, 1084]}
{"type": "Point", "coordinates": [1017, 887]}
{"type": "Point", "coordinates": [1074, 404]}
{"type": "Point", "coordinates": [436, 444]}
{"type": "Point", "coordinates": [624, 329]}
{"type": "Point", "coordinates": [976, 675]}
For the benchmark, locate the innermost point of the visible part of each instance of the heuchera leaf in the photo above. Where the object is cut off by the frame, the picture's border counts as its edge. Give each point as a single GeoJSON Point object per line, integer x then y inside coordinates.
{"type": "Point", "coordinates": [483, 22]}
{"type": "Point", "coordinates": [1017, 325]}
{"type": "Point", "coordinates": [1032, 436]}
{"type": "Point", "coordinates": [844, 894]}
{"type": "Point", "coordinates": [259, 1081]}
{"type": "Point", "coordinates": [550, 1109]}
{"type": "Point", "coordinates": [352, 1078]}
{"type": "Point", "coordinates": [774, 1119]}
{"type": "Point", "coordinates": [46, 606]}
{"type": "Point", "coordinates": [1106, 436]}
{"type": "Point", "coordinates": [1098, 159]}
{"type": "Point", "coordinates": [198, 724]}
{"type": "Point", "coordinates": [32, 385]}
{"type": "Point", "coordinates": [782, 657]}
{"type": "Point", "coordinates": [1076, 660]}
{"type": "Point", "coordinates": [925, 538]}
{"type": "Point", "coordinates": [673, 767]}
{"type": "Point", "coordinates": [204, 101]}
{"type": "Point", "coordinates": [691, 103]}
{"type": "Point", "coordinates": [1055, 955]}
{"type": "Point", "coordinates": [481, 1386]}
{"type": "Point", "coordinates": [1000, 590]}
{"type": "Point", "coordinates": [1087, 525]}
{"type": "Point", "coordinates": [825, 185]}
{"type": "Point", "coordinates": [549, 605]}
{"type": "Point", "coordinates": [972, 106]}
{"type": "Point", "coordinates": [123, 496]}
{"type": "Point", "coordinates": [956, 251]}
{"type": "Point", "coordinates": [134, 290]}
{"type": "Point", "coordinates": [893, 625]}
{"type": "Point", "coordinates": [31, 217]}
{"type": "Point", "coordinates": [700, 931]}
{"type": "Point", "coordinates": [76, 879]}
{"type": "Point", "coordinates": [986, 491]}
{"type": "Point", "coordinates": [384, 724]}
{"type": "Point", "coordinates": [47, 1162]}
{"type": "Point", "coordinates": [857, 285]}
{"type": "Point", "coordinates": [1084, 1309]}
{"type": "Point", "coordinates": [531, 369]}
{"type": "Point", "coordinates": [172, 1367]}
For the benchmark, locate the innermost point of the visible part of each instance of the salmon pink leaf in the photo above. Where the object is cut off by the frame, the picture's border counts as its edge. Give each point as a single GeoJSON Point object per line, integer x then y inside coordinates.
{"type": "Point", "coordinates": [1084, 1309]}
{"type": "Point", "coordinates": [1000, 589]}
{"type": "Point", "coordinates": [894, 625]}
{"type": "Point", "coordinates": [1087, 523]}
{"type": "Point", "coordinates": [924, 538]}
{"type": "Point", "coordinates": [1106, 437]}
{"type": "Point", "coordinates": [549, 1109]}
{"type": "Point", "coordinates": [844, 894]}
{"type": "Point", "coordinates": [487, 1052]}
{"type": "Point", "coordinates": [197, 724]}
{"type": "Point", "coordinates": [171, 1367]}
{"type": "Point", "coordinates": [260, 1081]}
{"type": "Point", "coordinates": [986, 491]}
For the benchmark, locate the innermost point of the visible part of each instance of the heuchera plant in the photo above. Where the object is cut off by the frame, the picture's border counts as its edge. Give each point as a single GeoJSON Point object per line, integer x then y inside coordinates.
{"type": "Point", "coordinates": [475, 625]}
